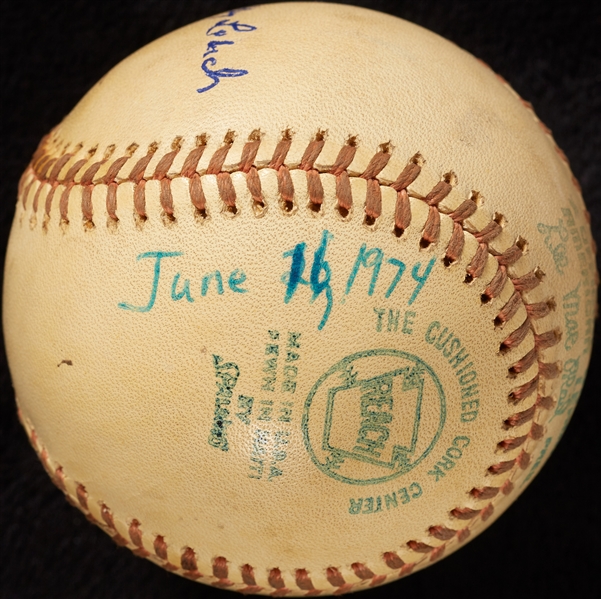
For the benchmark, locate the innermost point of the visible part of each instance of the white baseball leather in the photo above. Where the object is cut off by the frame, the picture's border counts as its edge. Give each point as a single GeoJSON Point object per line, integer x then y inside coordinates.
{"type": "Point", "coordinates": [124, 395]}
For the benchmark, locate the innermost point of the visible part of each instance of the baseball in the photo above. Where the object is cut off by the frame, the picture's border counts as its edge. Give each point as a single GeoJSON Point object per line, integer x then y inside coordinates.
{"type": "Point", "coordinates": [298, 331]}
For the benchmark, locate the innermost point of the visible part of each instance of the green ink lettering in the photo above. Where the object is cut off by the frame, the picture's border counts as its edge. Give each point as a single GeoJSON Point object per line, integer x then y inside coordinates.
{"type": "Point", "coordinates": [293, 340]}
{"type": "Point", "coordinates": [393, 320]}
{"type": "Point", "coordinates": [439, 344]}
{"type": "Point", "coordinates": [390, 500]}
{"type": "Point", "coordinates": [378, 504]}
{"type": "Point", "coordinates": [446, 463]}
{"type": "Point", "coordinates": [416, 490]}
{"type": "Point", "coordinates": [355, 507]}
{"type": "Point", "coordinates": [571, 306]}
{"type": "Point", "coordinates": [461, 441]}
{"type": "Point", "coordinates": [437, 472]}
{"type": "Point", "coordinates": [470, 391]}
{"type": "Point", "coordinates": [403, 495]}
{"type": "Point", "coordinates": [430, 337]}
{"type": "Point", "coordinates": [245, 404]}
{"type": "Point", "coordinates": [454, 453]}
{"type": "Point", "coordinates": [466, 379]}
{"type": "Point", "coordinates": [452, 348]}
{"type": "Point", "coordinates": [458, 358]}
{"type": "Point", "coordinates": [408, 322]}
{"type": "Point", "coordinates": [380, 313]}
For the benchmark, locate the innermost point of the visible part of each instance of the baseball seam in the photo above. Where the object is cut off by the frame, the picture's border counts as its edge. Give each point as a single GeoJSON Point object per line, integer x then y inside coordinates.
{"type": "Point", "coordinates": [46, 171]}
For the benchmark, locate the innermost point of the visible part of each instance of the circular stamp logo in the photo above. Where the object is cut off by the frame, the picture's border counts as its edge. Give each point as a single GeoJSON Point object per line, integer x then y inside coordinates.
{"type": "Point", "coordinates": [373, 416]}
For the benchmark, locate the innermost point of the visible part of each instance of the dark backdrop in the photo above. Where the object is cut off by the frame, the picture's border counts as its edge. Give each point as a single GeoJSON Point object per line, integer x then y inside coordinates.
{"type": "Point", "coordinates": [547, 543]}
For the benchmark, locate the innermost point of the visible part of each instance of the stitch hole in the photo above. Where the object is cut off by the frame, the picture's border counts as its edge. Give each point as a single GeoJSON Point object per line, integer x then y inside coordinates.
{"type": "Point", "coordinates": [522, 244]}
{"type": "Point", "coordinates": [140, 219]}
{"type": "Point", "coordinates": [167, 218]}
{"type": "Point", "coordinates": [230, 210]}
{"type": "Point", "coordinates": [201, 214]}
{"type": "Point", "coordinates": [314, 207]}
{"type": "Point", "coordinates": [448, 261]}
{"type": "Point", "coordinates": [417, 159]}
{"type": "Point", "coordinates": [500, 219]}
{"type": "Point", "coordinates": [498, 322]}
{"type": "Point", "coordinates": [450, 178]}
{"type": "Point", "coordinates": [504, 348]}
{"type": "Point", "coordinates": [259, 208]}
{"type": "Point", "coordinates": [485, 298]}
{"type": "Point", "coordinates": [476, 197]}
{"type": "Point", "coordinates": [424, 243]}
{"type": "Point", "coordinates": [369, 221]}
{"type": "Point", "coordinates": [112, 224]}
{"type": "Point", "coordinates": [468, 279]}
{"type": "Point", "coordinates": [287, 206]}
{"type": "Point", "coordinates": [344, 212]}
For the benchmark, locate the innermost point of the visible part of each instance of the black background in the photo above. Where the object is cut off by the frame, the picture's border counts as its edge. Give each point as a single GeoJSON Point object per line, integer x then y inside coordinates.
{"type": "Point", "coordinates": [545, 544]}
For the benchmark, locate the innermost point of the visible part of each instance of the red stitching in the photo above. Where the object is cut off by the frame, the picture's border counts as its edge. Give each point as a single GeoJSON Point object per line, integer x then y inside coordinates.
{"type": "Point", "coordinates": [46, 170]}
{"type": "Point", "coordinates": [188, 561]}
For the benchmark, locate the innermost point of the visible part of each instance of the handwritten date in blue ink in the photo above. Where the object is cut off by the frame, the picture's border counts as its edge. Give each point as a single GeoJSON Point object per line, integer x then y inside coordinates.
{"type": "Point", "coordinates": [211, 282]}
{"type": "Point", "coordinates": [318, 277]}
{"type": "Point", "coordinates": [370, 271]}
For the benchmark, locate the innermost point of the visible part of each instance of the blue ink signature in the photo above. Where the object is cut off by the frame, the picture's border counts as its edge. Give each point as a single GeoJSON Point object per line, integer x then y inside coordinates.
{"type": "Point", "coordinates": [220, 29]}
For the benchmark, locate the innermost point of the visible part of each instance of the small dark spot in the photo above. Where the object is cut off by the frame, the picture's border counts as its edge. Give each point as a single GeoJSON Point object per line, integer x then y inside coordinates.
{"type": "Point", "coordinates": [447, 261]}
{"type": "Point", "coordinates": [370, 221]}
{"type": "Point", "coordinates": [386, 148]}
{"type": "Point", "coordinates": [424, 243]}
{"type": "Point", "coordinates": [485, 298]}
{"type": "Point", "coordinates": [450, 178]}
{"type": "Point", "coordinates": [67, 362]}
{"type": "Point", "coordinates": [320, 135]}
{"type": "Point", "coordinates": [342, 211]}
{"type": "Point", "coordinates": [522, 244]}
{"type": "Point", "coordinates": [314, 207]}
